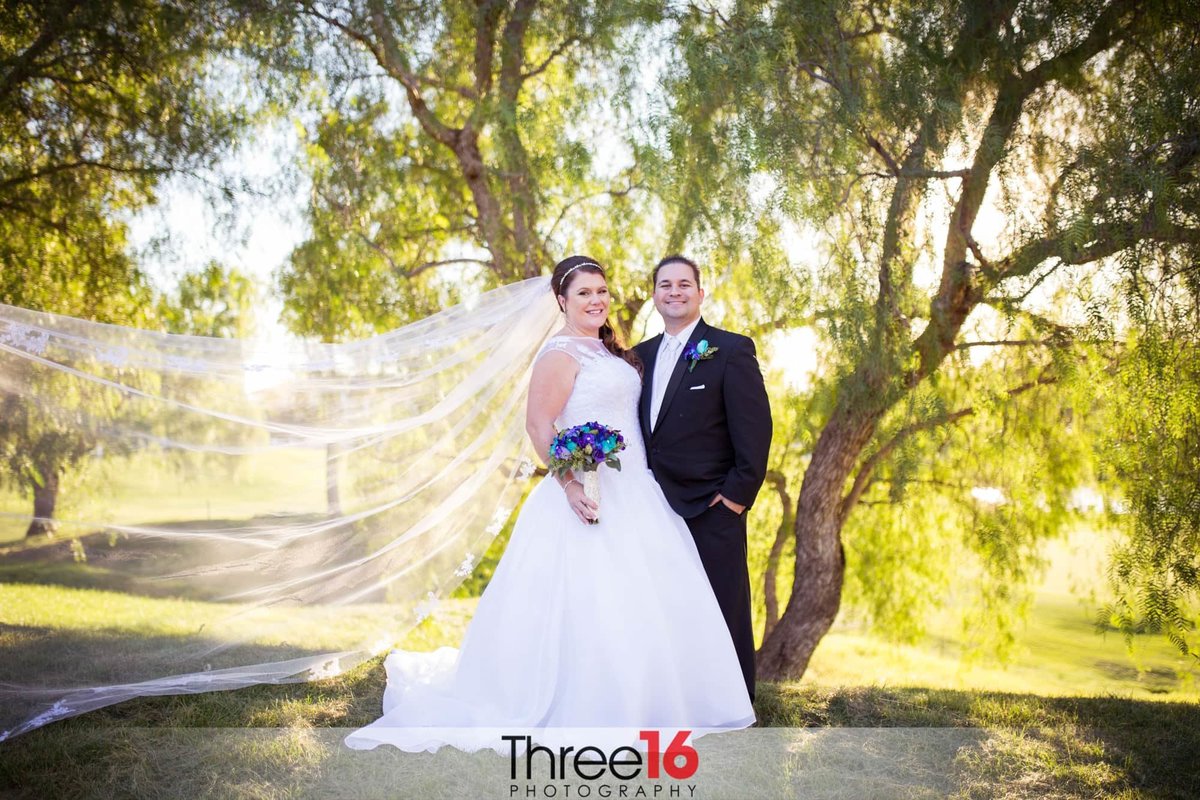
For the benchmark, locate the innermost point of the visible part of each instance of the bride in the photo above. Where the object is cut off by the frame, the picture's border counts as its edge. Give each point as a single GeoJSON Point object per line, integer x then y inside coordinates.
{"type": "Point", "coordinates": [604, 626]}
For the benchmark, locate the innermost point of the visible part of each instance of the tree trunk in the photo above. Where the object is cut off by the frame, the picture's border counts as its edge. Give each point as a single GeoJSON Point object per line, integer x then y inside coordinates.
{"type": "Point", "coordinates": [786, 525]}
{"type": "Point", "coordinates": [45, 498]}
{"type": "Point", "coordinates": [522, 190]}
{"type": "Point", "coordinates": [490, 215]}
{"type": "Point", "coordinates": [820, 560]}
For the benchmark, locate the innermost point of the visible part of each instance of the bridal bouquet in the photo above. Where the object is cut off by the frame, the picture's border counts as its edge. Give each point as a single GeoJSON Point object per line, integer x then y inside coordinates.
{"type": "Point", "coordinates": [582, 449]}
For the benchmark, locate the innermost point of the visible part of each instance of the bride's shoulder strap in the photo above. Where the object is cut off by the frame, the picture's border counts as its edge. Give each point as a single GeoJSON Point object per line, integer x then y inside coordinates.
{"type": "Point", "coordinates": [556, 345]}
{"type": "Point", "coordinates": [575, 348]}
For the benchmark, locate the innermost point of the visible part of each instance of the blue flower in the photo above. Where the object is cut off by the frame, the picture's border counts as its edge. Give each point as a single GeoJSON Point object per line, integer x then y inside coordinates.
{"type": "Point", "coordinates": [700, 351]}
{"type": "Point", "coordinates": [585, 445]}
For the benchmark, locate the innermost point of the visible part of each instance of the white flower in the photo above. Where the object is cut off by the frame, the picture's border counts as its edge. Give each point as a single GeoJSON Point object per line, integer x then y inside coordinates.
{"type": "Point", "coordinates": [328, 669]}
{"type": "Point", "coordinates": [59, 709]}
{"type": "Point", "coordinates": [117, 356]}
{"type": "Point", "coordinates": [497, 523]}
{"type": "Point", "coordinates": [185, 363]}
{"type": "Point", "coordinates": [466, 567]}
{"type": "Point", "coordinates": [526, 469]}
{"type": "Point", "coordinates": [427, 607]}
{"type": "Point", "coordinates": [26, 338]}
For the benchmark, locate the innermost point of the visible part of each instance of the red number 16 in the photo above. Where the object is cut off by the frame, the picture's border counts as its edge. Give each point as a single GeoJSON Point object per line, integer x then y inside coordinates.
{"type": "Point", "coordinates": [676, 751]}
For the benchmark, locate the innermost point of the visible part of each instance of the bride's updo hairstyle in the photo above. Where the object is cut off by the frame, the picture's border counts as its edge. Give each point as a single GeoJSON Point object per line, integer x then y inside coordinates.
{"type": "Point", "coordinates": [561, 279]}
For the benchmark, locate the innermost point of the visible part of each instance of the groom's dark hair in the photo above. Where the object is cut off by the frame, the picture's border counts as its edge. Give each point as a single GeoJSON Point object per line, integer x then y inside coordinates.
{"type": "Point", "coordinates": [677, 259]}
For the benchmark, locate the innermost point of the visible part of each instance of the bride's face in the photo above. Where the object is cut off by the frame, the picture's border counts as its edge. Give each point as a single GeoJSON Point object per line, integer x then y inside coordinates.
{"type": "Point", "coordinates": [586, 301]}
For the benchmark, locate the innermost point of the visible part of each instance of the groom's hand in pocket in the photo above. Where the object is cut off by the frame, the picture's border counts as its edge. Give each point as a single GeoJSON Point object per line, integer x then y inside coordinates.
{"type": "Point", "coordinates": [732, 506]}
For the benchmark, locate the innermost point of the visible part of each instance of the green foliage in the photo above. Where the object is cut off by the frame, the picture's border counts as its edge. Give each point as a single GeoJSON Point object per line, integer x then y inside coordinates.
{"type": "Point", "coordinates": [213, 301]}
{"type": "Point", "coordinates": [43, 439]}
{"type": "Point", "coordinates": [887, 135]}
{"type": "Point", "coordinates": [98, 102]}
{"type": "Point", "coordinates": [1152, 446]}
{"type": "Point", "coordinates": [374, 209]}
{"type": "Point", "coordinates": [986, 462]}
{"type": "Point", "coordinates": [809, 154]}
{"type": "Point", "coordinates": [453, 146]}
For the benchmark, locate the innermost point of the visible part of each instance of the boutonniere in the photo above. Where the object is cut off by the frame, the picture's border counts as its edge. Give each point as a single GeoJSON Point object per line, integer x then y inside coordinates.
{"type": "Point", "coordinates": [700, 351]}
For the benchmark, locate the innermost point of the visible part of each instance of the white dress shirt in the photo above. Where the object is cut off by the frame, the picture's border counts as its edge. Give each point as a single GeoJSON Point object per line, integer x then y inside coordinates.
{"type": "Point", "coordinates": [664, 364]}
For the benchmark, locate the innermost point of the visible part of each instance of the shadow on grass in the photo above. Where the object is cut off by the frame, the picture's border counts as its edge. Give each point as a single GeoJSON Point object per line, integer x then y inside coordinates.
{"type": "Point", "coordinates": [205, 560]}
{"type": "Point", "coordinates": [1157, 680]}
{"type": "Point", "coordinates": [274, 741]}
{"type": "Point", "coordinates": [1034, 745]}
{"type": "Point", "coordinates": [44, 665]}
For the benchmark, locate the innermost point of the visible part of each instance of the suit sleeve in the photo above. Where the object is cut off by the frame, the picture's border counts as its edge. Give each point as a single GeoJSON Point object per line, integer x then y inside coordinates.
{"type": "Point", "coordinates": [748, 413]}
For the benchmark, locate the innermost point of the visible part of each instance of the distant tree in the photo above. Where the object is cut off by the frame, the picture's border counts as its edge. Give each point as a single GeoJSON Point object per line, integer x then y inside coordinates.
{"type": "Point", "coordinates": [212, 301]}
{"type": "Point", "coordinates": [98, 102]}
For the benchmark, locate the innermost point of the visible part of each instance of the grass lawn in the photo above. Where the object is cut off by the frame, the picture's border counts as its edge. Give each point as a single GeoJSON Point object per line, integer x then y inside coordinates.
{"type": "Point", "coordinates": [1071, 715]}
{"type": "Point", "coordinates": [886, 712]}
{"type": "Point", "coordinates": [146, 490]}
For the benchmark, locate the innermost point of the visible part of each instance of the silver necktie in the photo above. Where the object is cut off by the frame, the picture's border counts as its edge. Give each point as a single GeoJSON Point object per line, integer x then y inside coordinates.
{"type": "Point", "coordinates": [662, 374]}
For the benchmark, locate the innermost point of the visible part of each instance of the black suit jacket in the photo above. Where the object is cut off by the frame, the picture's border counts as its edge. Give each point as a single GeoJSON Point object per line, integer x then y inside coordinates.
{"type": "Point", "coordinates": [714, 427]}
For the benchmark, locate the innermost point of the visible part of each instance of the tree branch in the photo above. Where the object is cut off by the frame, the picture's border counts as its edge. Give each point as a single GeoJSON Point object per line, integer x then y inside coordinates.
{"type": "Point", "coordinates": [877, 146]}
{"type": "Point", "coordinates": [584, 198]}
{"type": "Point", "coordinates": [487, 18]}
{"type": "Point", "coordinates": [973, 45]}
{"type": "Point", "coordinates": [34, 175]}
{"type": "Point", "coordinates": [525, 210]}
{"type": "Point", "coordinates": [1006, 343]}
{"type": "Point", "coordinates": [555, 53]}
{"type": "Point", "coordinates": [957, 294]}
{"type": "Point", "coordinates": [863, 479]}
{"type": "Point", "coordinates": [390, 57]}
{"type": "Point", "coordinates": [810, 68]}
{"type": "Point", "coordinates": [57, 22]}
{"type": "Point", "coordinates": [1109, 241]}
{"type": "Point", "coordinates": [412, 272]}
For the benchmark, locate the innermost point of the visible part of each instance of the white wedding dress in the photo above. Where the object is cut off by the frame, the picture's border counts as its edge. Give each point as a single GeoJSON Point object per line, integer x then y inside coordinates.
{"type": "Point", "coordinates": [602, 627]}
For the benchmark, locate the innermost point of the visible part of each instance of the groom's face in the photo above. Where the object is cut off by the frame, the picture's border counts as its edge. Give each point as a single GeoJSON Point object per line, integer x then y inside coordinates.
{"type": "Point", "coordinates": [677, 294]}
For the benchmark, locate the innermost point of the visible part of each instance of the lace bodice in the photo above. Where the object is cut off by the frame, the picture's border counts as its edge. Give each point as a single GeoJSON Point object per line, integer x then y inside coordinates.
{"type": "Point", "coordinates": [606, 390]}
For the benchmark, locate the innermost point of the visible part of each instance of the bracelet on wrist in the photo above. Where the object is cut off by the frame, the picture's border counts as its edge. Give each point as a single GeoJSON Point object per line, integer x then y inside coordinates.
{"type": "Point", "coordinates": [573, 480]}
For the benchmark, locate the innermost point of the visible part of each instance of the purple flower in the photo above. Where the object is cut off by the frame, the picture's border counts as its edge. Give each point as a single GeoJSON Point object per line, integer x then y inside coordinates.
{"type": "Point", "coordinates": [701, 351]}
{"type": "Point", "coordinates": [586, 444]}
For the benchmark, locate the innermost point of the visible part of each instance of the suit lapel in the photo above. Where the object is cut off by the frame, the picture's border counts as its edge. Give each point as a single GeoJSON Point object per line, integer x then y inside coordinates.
{"type": "Point", "coordinates": [651, 350]}
{"type": "Point", "coordinates": [677, 374]}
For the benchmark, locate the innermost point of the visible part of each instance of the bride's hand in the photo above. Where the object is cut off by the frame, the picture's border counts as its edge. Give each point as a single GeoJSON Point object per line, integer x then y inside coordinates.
{"type": "Point", "coordinates": [584, 507]}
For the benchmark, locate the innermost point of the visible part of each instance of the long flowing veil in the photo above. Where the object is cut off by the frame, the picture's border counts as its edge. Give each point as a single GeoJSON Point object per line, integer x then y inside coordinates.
{"type": "Point", "coordinates": [236, 514]}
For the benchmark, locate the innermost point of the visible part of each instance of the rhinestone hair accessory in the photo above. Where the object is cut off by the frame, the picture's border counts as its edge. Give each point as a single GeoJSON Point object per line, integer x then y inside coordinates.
{"type": "Point", "coordinates": [563, 282]}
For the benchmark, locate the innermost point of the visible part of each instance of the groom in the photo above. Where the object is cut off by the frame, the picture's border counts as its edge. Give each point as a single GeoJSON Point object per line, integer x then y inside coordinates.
{"type": "Point", "coordinates": [707, 427]}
